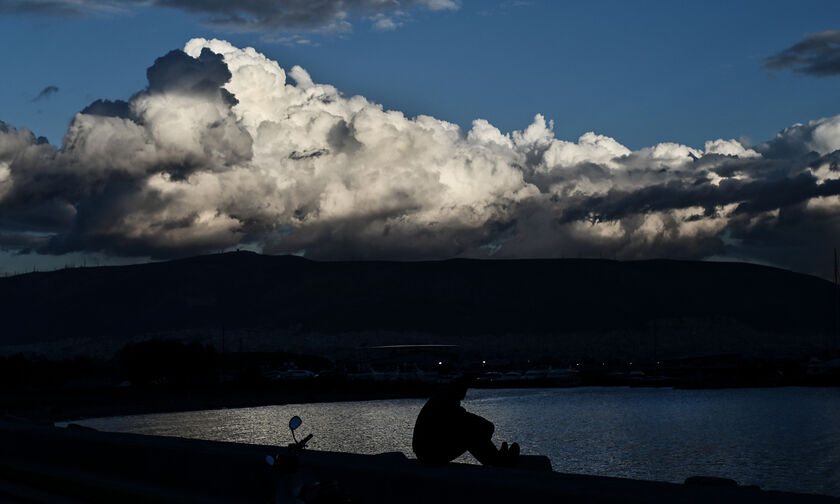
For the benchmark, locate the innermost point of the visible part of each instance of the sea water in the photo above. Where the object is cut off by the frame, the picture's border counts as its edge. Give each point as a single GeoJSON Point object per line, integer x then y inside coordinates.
{"type": "Point", "coordinates": [779, 439]}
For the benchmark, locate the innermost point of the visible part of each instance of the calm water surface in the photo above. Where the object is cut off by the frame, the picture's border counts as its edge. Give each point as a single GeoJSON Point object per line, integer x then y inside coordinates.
{"type": "Point", "coordinates": [782, 439]}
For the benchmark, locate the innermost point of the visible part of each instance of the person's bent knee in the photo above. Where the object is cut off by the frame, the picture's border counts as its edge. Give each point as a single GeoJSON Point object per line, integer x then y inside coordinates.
{"type": "Point", "coordinates": [478, 427]}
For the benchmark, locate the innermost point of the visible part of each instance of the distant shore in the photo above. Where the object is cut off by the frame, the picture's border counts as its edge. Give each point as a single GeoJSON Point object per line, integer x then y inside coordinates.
{"type": "Point", "coordinates": [49, 405]}
{"type": "Point", "coordinates": [165, 376]}
{"type": "Point", "coordinates": [56, 405]}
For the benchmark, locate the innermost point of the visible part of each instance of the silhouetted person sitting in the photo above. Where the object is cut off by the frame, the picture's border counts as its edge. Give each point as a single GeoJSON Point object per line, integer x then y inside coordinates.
{"type": "Point", "coordinates": [444, 430]}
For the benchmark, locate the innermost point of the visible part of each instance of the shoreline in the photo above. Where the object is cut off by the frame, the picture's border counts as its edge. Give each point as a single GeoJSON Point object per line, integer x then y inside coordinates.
{"type": "Point", "coordinates": [109, 467]}
{"type": "Point", "coordinates": [49, 406]}
{"type": "Point", "coordinates": [55, 405]}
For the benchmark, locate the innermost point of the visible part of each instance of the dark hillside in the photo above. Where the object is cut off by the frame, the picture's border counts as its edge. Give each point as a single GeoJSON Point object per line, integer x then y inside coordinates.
{"type": "Point", "coordinates": [455, 297]}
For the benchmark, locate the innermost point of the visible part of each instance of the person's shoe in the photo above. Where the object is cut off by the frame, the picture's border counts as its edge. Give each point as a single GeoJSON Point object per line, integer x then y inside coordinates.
{"type": "Point", "coordinates": [508, 455]}
{"type": "Point", "coordinates": [513, 452]}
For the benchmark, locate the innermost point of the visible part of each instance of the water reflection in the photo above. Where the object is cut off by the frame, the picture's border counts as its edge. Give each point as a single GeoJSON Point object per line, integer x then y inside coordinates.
{"type": "Point", "coordinates": [787, 439]}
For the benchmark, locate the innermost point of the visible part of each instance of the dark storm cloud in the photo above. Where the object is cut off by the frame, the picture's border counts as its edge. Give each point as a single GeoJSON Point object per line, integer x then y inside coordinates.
{"type": "Point", "coordinates": [94, 216]}
{"type": "Point", "coordinates": [43, 7]}
{"type": "Point", "coordinates": [74, 196]}
{"type": "Point", "coordinates": [798, 237]}
{"type": "Point", "coordinates": [328, 15]}
{"type": "Point", "coordinates": [179, 73]}
{"type": "Point", "coordinates": [46, 93]}
{"type": "Point", "coordinates": [752, 197]}
{"type": "Point", "coordinates": [31, 191]}
{"type": "Point", "coordinates": [21, 243]}
{"type": "Point", "coordinates": [222, 150]}
{"type": "Point", "coordinates": [108, 108]}
{"type": "Point", "coordinates": [817, 54]}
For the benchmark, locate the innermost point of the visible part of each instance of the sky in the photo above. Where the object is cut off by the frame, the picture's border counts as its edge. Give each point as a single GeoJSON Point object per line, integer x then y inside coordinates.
{"type": "Point", "coordinates": [422, 129]}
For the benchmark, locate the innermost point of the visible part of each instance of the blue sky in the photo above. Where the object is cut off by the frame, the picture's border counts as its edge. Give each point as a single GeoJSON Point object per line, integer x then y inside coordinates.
{"type": "Point", "coordinates": [641, 72]}
{"type": "Point", "coordinates": [187, 172]}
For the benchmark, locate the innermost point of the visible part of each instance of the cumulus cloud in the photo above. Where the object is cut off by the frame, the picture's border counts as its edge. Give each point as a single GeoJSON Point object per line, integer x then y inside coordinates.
{"type": "Point", "coordinates": [817, 54]}
{"type": "Point", "coordinates": [382, 22]}
{"type": "Point", "coordinates": [320, 15]}
{"type": "Point", "coordinates": [819, 137]}
{"type": "Point", "coordinates": [226, 148]}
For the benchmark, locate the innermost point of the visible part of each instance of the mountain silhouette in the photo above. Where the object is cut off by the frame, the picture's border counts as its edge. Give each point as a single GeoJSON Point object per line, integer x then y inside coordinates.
{"type": "Point", "coordinates": [458, 297]}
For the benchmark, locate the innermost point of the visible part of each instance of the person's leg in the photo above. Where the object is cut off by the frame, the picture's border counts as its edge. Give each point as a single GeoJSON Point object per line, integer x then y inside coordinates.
{"type": "Point", "coordinates": [480, 443]}
{"type": "Point", "coordinates": [441, 445]}
{"type": "Point", "coordinates": [442, 454]}
{"type": "Point", "coordinates": [479, 437]}
{"type": "Point", "coordinates": [485, 452]}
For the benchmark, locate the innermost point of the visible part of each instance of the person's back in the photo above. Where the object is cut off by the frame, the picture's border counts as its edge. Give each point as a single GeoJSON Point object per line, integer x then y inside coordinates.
{"type": "Point", "coordinates": [437, 437]}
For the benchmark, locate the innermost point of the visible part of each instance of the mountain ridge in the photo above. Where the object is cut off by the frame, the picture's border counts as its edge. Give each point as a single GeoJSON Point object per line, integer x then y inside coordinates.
{"type": "Point", "coordinates": [456, 297]}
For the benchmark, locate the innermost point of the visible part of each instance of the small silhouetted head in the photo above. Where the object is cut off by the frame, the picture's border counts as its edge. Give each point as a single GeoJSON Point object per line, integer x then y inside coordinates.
{"type": "Point", "coordinates": [456, 389]}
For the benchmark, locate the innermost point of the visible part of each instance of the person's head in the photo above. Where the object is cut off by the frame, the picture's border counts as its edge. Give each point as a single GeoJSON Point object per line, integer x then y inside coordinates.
{"type": "Point", "coordinates": [455, 389]}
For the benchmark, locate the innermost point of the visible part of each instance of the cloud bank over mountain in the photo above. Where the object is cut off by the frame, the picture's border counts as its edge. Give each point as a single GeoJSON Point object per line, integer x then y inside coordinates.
{"type": "Point", "coordinates": [225, 148]}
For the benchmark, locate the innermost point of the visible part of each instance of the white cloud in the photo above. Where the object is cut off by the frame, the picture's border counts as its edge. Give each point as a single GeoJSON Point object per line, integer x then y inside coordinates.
{"type": "Point", "coordinates": [729, 148]}
{"type": "Point", "coordinates": [382, 22]}
{"type": "Point", "coordinates": [440, 4]}
{"type": "Point", "coordinates": [291, 164]}
{"type": "Point", "coordinates": [826, 135]}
